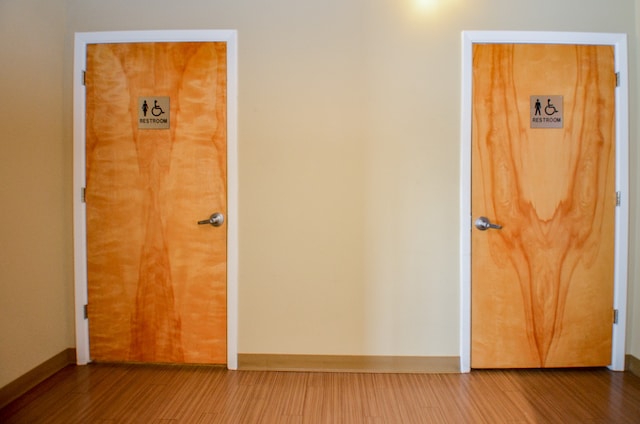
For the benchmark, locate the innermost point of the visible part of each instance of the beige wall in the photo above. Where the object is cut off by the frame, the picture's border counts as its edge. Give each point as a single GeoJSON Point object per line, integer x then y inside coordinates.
{"type": "Point", "coordinates": [36, 279]}
{"type": "Point", "coordinates": [349, 175]}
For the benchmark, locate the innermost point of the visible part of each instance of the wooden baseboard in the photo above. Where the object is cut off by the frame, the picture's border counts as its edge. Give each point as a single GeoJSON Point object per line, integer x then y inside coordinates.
{"type": "Point", "coordinates": [632, 364]}
{"type": "Point", "coordinates": [347, 363]}
{"type": "Point", "coordinates": [26, 382]}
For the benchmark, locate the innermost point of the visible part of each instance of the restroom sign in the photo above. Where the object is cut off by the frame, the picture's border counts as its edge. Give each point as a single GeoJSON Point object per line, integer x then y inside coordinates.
{"type": "Point", "coordinates": [546, 111]}
{"type": "Point", "coordinates": [153, 113]}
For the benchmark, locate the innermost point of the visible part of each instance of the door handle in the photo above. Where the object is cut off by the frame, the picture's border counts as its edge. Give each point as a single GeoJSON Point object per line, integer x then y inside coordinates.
{"type": "Point", "coordinates": [483, 224]}
{"type": "Point", "coordinates": [217, 219]}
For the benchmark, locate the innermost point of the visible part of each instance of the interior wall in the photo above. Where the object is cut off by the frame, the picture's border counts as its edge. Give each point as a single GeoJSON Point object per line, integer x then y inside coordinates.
{"type": "Point", "coordinates": [633, 320]}
{"type": "Point", "coordinates": [349, 151]}
{"type": "Point", "coordinates": [349, 164]}
{"type": "Point", "coordinates": [36, 280]}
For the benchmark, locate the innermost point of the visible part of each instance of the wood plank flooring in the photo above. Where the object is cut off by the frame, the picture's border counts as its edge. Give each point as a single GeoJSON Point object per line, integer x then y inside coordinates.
{"type": "Point", "coordinates": [104, 393]}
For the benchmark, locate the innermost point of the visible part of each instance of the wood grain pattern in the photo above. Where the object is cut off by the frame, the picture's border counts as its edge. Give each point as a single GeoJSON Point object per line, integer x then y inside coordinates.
{"type": "Point", "coordinates": [195, 394]}
{"type": "Point", "coordinates": [157, 280]}
{"type": "Point", "coordinates": [26, 382]}
{"type": "Point", "coordinates": [542, 287]}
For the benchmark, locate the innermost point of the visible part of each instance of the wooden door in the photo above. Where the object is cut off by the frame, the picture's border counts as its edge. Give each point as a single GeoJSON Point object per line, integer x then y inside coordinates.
{"type": "Point", "coordinates": [542, 286]}
{"type": "Point", "coordinates": [156, 279]}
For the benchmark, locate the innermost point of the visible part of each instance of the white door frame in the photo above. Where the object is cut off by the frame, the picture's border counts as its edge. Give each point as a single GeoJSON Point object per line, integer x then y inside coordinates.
{"type": "Point", "coordinates": [79, 177]}
{"type": "Point", "coordinates": [619, 42]}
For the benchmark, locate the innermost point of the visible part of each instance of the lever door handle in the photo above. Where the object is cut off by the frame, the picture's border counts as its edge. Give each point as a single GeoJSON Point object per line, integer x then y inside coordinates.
{"type": "Point", "coordinates": [483, 224]}
{"type": "Point", "coordinates": [217, 219]}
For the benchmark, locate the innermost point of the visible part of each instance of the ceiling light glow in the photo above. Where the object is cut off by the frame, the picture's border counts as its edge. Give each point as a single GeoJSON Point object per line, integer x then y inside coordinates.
{"type": "Point", "coordinates": [426, 4]}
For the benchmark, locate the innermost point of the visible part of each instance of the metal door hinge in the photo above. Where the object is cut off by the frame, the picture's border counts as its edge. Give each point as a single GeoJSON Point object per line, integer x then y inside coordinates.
{"type": "Point", "coordinates": [615, 316]}
{"type": "Point", "coordinates": [84, 77]}
{"type": "Point", "coordinates": [617, 79]}
{"type": "Point", "coordinates": [83, 194]}
{"type": "Point", "coordinates": [86, 311]}
{"type": "Point", "coordinates": [618, 198]}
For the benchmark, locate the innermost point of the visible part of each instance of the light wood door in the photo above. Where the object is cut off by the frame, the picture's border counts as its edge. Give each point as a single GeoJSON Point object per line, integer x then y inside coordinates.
{"type": "Point", "coordinates": [156, 279]}
{"type": "Point", "coordinates": [542, 286]}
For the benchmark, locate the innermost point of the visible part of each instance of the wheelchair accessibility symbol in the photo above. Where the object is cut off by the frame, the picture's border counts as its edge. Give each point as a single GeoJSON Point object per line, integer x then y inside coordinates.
{"type": "Point", "coordinates": [550, 109]}
{"type": "Point", "coordinates": [548, 116]}
{"type": "Point", "coordinates": [153, 112]}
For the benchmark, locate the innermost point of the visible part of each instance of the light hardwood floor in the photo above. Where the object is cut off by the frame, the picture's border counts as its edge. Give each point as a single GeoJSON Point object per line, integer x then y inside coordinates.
{"type": "Point", "coordinates": [104, 393]}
